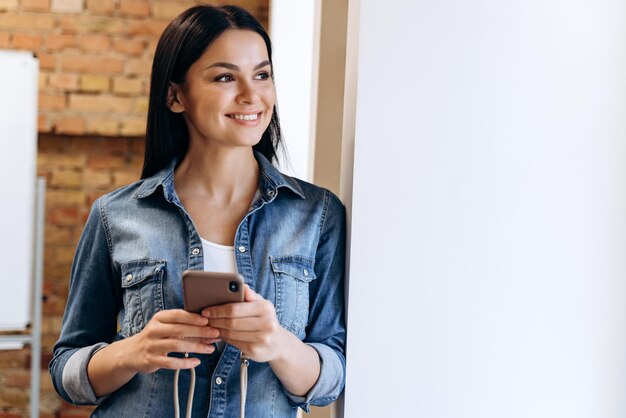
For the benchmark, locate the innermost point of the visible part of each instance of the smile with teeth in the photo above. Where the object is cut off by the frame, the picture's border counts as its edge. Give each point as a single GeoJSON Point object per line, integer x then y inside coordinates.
{"type": "Point", "coordinates": [253, 116]}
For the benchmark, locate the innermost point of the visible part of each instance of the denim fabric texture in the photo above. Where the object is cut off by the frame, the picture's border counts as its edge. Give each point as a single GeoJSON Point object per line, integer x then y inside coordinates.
{"type": "Point", "coordinates": [136, 244]}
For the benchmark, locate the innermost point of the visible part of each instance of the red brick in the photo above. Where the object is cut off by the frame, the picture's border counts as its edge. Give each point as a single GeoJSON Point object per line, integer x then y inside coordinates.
{"type": "Point", "coordinates": [67, 6]}
{"type": "Point", "coordinates": [35, 5]}
{"type": "Point", "coordinates": [57, 235]}
{"type": "Point", "coordinates": [100, 103]}
{"type": "Point", "coordinates": [66, 178]}
{"type": "Point", "coordinates": [105, 161]}
{"type": "Point", "coordinates": [95, 43]}
{"type": "Point", "coordinates": [97, 179]}
{"type": "Point", "coordinates": [170, 9]}
{"type": "Point", "coordinates": [57, 42]}
{"type": "Point", "coordinates": [10, 415]}
{"type": "Point", "coordinates": [42, 123]}
{"type": "Point", "coordinates": [133, 47]}
{"type": "Point", "coordinates": [90, 24]}
{"type": "Point", "coordinates": [61, 160]}
{"type": "Point", "coordinates": [5, 39]}
{"type": "Point", "coordinates": [52, 101]}
{"type": "Point", "coordinates": [14, 359]}
{"type": "Point", "coordinates": [47, 61]}
{"type": "Point", "coordinates": [26, 41]}
{"type": "Point", "coordinates": [146, 27]}
{"type": "Point", "coordinates": [136, 8]}
{"type": "Point", "coordinates": [43, 81]}
{"type": "Point", "coordinates": [16, 379]}
{"type": "Point", "coordinates": [116, 145]}
{"type": "Point", "coordinates": [94, 83]}
{"type": "Point", "coordinates": [122, 178]}
{"type": "Point", "coordinates": [133, 127]}
{"type": "Point", "coordinates": [63, 81]}
{"type": "Point", "coordinates": [128, 86]}
{"type": "Point", "coordinates": [26, 21]}
{"type": "Point", "coordinates": [139, 66]}
{"type": "Point", "coordinates": [55, 198]}
{"type": "Point", "coordinates": [62, 254]}
{"type": "Point", "coordinates": [72, 125]}
{"type": "Point", "coordinates": [92, 64]}
{"type": "Point", "coordinates": [106, 7]}
{"type": "Point", "coordinates": [64, 216]}
{"type": "Point", "coordinates": [103, 126]}
{"type": "Point", "coordinates": [8, 5]}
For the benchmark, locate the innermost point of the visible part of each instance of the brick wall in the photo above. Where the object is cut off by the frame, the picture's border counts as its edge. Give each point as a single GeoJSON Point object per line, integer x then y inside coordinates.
{"type": "Point", "coordinates": [95, 58]}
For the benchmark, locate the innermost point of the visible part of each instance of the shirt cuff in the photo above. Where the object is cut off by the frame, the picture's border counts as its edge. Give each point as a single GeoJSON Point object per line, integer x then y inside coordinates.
{"type": "Point", "coordinates": [75, 381]}
{"type": "Point", "coordinates": [329, 383]}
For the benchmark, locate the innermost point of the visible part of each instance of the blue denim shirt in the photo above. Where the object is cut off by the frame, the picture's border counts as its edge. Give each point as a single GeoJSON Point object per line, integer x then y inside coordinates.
{"type": "Point", "coordinates": [136, 244]}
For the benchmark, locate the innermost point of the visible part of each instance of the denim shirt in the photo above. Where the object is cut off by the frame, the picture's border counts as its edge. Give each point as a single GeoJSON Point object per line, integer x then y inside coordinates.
{"type": "Point", "coordinates": [136, 244]}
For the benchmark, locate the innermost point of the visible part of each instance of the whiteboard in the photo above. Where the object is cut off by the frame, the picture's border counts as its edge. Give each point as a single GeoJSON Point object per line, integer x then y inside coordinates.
{"type": "Point", "coordinates": [18, 145]}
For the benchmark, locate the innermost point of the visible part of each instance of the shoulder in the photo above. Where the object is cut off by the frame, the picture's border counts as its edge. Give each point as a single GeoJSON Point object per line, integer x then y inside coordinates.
{"type": "Point", "coordinates": [321, 197]}
{"type": "Point", "coordinates": [125, 196]}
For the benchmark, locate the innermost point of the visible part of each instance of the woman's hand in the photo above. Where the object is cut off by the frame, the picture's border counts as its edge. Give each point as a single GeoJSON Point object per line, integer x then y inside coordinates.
{"type": "Point", "coordinates": [251, 326]}
{"type": "Point", "coordinates": [170, 331]}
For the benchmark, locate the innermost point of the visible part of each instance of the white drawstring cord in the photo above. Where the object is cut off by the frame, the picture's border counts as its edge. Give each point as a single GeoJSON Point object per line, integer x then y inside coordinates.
{"type": "Point", "coordinates": [243, 387]}
{"type": "Point", "coordinates": [243, 384]}
{"type": "Point", "coordinates": [192, 387]}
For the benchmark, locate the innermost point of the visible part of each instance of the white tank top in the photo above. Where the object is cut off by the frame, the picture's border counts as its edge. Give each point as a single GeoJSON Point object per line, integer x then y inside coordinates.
{"type": "Point", "coordinates": [218, 258]}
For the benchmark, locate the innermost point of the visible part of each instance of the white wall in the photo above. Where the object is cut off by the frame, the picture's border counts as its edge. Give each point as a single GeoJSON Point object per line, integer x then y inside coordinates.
{"type": "Point", "coordinates": [488, 247]}
{"type": "Point", "coordinates": [294, 29]}
{"type": "Point", "coordinates": [19, 72]}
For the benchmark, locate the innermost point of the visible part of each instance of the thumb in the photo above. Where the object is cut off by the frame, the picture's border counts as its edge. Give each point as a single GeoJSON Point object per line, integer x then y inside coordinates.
{"type": "Point", "coordinates": [250, 295]}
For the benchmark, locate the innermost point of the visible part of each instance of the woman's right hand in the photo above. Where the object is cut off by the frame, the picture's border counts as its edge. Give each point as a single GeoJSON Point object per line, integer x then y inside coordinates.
{"type": "Point", "coordinates": [170, 331]}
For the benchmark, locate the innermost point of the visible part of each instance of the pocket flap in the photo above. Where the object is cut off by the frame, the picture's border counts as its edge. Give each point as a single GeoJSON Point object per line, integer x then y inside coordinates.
{"type": "Point", "coordinates": [134, 272]}
{"type": "Point", "coordinates": [295, 266]}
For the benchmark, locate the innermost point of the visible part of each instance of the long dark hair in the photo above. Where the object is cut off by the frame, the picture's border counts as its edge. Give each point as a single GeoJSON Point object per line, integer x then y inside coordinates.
{"type": "Point", "coordinates": [183, 41]}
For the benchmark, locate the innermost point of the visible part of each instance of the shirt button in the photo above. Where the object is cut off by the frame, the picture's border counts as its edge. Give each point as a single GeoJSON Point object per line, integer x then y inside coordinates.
{"type": "Point", "coordinates": [250, 209]}
{"type": "Point", "coordinates": [195, 251]}
{"type": "Point", "coordinates": [218, 380]}
{"type": "Point", "coordinates": [306, 273]}
{"type": "Point", "coordinates": [129, 277]}
{"type": "Point", "coordinates": [271, 193]}
{"type": "Point", "coordinates": [242, 249]}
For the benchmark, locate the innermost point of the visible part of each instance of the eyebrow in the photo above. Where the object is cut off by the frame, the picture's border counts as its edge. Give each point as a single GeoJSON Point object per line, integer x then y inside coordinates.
{"type": "Point", "coordinates": [233, 67]}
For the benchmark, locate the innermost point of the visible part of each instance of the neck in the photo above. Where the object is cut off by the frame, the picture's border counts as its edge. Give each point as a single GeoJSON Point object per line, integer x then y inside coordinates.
{"type": "Point", "coordinates": [225, 174]}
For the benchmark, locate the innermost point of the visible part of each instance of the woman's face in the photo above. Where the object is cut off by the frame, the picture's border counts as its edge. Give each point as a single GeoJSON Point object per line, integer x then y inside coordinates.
{"type": "Point", "coordinates": [228, 94]}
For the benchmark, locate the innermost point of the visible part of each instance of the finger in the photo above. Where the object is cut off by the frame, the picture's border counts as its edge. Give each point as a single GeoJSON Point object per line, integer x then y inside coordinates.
{"type": "Point", "coordinates": [180, 316]}
{"type": "Point", "coordinates": [238, 324]}
{"type": "Point", "coordinates": [250, 295]}
{"type": "Point", "coordinates": [206, 340]}
{"type": "Point", "coordinates": [180, 330]}
{"type": "Point", "coordinates": [233, 310]}
{"type": "Point", "coordinates": [179, 345]}
{"type": "Point", "coordinates": [176, 363]}
{"type": "Point", "coordinates": [246, 337]}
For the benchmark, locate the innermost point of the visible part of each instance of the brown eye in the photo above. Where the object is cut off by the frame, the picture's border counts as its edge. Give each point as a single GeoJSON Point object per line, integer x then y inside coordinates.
{"type": "Point", "coordinates": [263, 76]}
{"type": "Point", "coordinates": [225, 78]}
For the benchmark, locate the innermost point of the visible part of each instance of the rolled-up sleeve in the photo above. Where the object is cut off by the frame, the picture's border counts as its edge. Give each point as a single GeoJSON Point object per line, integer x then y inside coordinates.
{"type": "Point", "coordinates": [90, 319]}
{"type": "Point", "coordinates": [326, 331]}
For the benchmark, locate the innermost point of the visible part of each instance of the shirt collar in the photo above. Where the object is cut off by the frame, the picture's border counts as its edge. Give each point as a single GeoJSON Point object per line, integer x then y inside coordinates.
{"type": "Point", "coordinates": [270, 181]}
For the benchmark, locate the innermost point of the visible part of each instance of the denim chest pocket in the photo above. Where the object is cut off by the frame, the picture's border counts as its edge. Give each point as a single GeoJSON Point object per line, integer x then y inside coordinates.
{"type": "Point", "coordinates": [292, 276]}
{"type": "Point", "coordinates": [142, 285]}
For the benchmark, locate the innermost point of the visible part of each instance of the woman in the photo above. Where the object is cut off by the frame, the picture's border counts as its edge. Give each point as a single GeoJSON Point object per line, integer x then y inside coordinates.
{"type": "Point", "coordinates": [209, 199]}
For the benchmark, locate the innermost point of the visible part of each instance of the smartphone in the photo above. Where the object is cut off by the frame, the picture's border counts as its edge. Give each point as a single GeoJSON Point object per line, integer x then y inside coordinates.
{"type": "Point", "coordinates": [202, 289]}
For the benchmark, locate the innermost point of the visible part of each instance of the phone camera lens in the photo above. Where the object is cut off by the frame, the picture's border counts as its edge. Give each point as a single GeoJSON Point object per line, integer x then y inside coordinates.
{"type": "Point", "coordinates": [233, 286]}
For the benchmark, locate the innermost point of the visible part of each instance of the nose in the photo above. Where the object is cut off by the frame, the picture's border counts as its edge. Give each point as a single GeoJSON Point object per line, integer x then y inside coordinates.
{"type": "Point", "coordinates": [247, 92]}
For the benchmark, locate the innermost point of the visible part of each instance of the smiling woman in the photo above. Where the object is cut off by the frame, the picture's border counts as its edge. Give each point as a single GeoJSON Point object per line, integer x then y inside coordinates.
{"type": "Point", "coordinates": [209, 199]}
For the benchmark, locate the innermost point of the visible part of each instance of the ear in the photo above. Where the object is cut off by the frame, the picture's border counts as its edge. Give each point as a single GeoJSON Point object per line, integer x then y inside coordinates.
{"type": "Point", "coordinates": [173, 98]}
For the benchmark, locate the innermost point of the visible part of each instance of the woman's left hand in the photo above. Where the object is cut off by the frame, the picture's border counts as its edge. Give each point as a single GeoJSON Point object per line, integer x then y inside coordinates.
{"type": "Point", "coordinates": [251, 326]}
